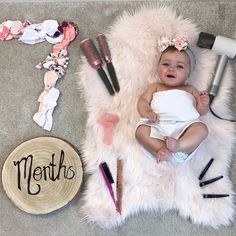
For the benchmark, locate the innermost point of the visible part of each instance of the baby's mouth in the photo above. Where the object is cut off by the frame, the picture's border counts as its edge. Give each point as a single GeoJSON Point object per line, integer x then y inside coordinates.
{"type": "Point", "coordinates": [170, 76]}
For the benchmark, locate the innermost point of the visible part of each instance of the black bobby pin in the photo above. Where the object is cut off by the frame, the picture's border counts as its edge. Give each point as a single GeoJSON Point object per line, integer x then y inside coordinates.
{"type": "Point", "coordinates": [205, 169]}
{"type": "Point", "coordinates": [215, 195]}
{"type": "Point", "coordinates": [210, 181]}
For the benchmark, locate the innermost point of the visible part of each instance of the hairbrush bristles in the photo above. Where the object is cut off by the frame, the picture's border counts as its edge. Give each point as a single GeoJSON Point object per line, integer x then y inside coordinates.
{"type": "Point", "coordinates": [104, 49]}
{"type": "Point", "coordinates": [91, 53]}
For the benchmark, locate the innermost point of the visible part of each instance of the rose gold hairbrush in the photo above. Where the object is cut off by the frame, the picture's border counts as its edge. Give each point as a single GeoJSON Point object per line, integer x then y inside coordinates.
{"type": "Point", "coordinates": [105, 51]}
{"type": "Point", "coordinates": [95, 61]}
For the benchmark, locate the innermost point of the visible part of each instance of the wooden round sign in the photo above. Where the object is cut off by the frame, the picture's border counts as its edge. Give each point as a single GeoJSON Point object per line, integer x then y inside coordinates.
{"type": "Point", "coordinates": [42, 175]}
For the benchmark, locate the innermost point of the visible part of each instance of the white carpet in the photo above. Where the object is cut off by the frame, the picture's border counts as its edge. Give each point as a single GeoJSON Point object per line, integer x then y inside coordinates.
{"type": "Point", "coordinates": [148, 185]}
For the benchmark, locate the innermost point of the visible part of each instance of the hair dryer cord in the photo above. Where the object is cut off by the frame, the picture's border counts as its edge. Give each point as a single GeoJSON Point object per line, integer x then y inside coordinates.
{"type": "Point", "coordinates": [213, 113]}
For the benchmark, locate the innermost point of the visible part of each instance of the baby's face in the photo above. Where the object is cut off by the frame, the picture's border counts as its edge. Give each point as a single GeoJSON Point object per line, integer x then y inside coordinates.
{"type": "Point", "coordinates": [174, 68]}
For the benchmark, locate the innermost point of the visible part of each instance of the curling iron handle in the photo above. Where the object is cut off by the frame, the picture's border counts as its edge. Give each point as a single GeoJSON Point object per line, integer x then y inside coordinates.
{"type": "Point", "coordinates": [218, 75]}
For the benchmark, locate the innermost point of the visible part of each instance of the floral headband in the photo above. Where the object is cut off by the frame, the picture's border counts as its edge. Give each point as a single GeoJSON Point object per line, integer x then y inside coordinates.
{"type": "Point", "coordinates": [180, 43]}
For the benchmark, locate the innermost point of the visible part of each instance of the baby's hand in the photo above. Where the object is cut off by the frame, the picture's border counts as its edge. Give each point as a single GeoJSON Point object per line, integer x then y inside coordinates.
{"type": "Point", "coordinates": [152, 116]}
{"type": "Point", "coordinates": [204, 98]}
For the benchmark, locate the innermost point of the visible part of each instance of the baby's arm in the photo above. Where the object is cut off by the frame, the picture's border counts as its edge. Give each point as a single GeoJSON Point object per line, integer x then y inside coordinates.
{"type": "Point", "coordinates": [202, 100]}
{"type": "Point", "coordinates": [143, 105]}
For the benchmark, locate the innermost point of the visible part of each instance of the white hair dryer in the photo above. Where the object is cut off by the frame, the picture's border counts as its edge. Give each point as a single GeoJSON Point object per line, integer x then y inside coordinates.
{"type": "Point", "coordinates": [226, 48]}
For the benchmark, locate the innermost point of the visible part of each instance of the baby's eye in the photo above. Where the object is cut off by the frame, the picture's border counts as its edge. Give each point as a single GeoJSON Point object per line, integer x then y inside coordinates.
{"type": "Point", "coordinates": [180, 66]}
{"type": "Point", "coordinates": [165, 64]}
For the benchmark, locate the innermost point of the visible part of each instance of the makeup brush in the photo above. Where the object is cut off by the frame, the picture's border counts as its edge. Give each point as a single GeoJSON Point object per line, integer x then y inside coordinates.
{"type": "Point", "coordinates": [106, 54]}
{"type": "Point", "coordinates": [95, 61]}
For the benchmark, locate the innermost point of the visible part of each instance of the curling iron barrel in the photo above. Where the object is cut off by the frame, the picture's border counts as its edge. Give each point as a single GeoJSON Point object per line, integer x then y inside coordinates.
{"type": "Point", "coordinates": [226, 48]}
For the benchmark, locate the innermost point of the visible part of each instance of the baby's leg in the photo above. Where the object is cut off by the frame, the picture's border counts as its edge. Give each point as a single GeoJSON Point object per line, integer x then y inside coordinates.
{"type": "Point", "coordinates": [155, 146]}
{"type": "Point", "coordinates": [189, 140]}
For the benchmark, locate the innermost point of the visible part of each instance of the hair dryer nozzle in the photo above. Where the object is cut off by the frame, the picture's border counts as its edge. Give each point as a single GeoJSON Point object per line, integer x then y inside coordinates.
{"type": "Point", "coordinates": [91, 53]}
{"type": "Point", "coordinates": [206, 40]}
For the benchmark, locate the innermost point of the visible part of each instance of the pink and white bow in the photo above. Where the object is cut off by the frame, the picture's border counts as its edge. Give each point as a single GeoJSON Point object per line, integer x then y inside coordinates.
{"type": "Point", "coordinates": [180, 43]}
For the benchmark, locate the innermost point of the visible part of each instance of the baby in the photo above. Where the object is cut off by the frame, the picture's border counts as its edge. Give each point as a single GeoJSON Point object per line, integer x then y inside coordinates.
{"type": "Point", "coordinates": [170, 127]}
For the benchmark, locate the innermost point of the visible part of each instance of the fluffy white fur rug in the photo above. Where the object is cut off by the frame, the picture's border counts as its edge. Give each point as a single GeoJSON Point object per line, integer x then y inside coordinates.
{"type": "Point", "coordinates": [148, 185]}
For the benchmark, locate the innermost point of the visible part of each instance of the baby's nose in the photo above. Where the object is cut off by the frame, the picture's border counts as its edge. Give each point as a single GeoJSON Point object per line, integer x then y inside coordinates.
{"type": "Point", "coordinates": [171, 67]}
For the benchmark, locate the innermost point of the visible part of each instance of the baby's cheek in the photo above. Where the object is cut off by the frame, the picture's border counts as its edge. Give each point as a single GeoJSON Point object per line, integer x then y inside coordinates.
{"type": "Point", "coordinates": [160, 72]}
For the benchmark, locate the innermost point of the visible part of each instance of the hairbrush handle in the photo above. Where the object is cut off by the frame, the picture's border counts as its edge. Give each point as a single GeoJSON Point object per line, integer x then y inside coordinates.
{"type": "Point", "coordinates": [105, 80]}
{"type": "Point", "coordinates": [112, 74]}
{"type": "Point", "coordinates": [106, 54]}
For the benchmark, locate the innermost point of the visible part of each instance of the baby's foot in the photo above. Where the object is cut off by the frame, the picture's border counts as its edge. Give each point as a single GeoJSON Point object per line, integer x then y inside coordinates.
{"type": "Point", "coordinates": [172, 144]}
{"type": "Point", "coordinates": [163, 154]}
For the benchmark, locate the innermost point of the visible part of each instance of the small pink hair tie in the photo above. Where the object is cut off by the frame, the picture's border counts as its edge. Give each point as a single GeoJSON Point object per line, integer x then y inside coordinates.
{"type": "Point", "coordinates": [108, 121]}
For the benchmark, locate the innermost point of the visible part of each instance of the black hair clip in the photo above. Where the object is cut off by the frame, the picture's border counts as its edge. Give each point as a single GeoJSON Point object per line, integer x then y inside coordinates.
{"type": "Point", "coordinates": [214, 195]}
{"type": "Point", "coordinates": [205, 169]}
{"type": "Point", "coordinates": [203, 183]}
